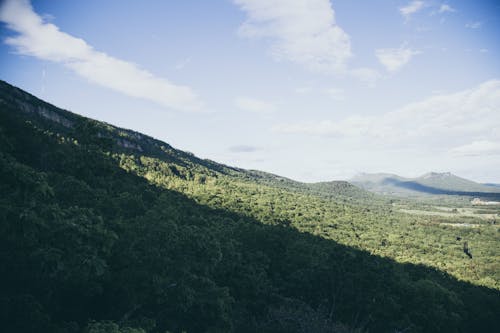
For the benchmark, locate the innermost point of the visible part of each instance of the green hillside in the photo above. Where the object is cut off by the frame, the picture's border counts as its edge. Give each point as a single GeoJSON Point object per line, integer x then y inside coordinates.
{"type": "Point", "coordinates": [109, 230]}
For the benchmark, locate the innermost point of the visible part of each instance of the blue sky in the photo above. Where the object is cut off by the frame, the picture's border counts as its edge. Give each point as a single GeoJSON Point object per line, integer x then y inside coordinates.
{"type": "Point", "coordinates": [308, 89]}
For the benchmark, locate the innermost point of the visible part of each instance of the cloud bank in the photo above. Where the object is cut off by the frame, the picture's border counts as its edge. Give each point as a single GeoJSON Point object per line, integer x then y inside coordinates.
{"type": "Point", "coordinates": [45, 41]}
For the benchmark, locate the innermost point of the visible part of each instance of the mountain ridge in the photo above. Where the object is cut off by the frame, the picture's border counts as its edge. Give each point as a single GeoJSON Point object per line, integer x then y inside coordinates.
{"type": "Point", "coordinates": [444, 183]}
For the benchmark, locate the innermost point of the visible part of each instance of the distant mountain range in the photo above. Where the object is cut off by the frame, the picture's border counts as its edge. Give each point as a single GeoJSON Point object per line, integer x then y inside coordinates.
{"type": "Point", "coordinates": [431, 183]}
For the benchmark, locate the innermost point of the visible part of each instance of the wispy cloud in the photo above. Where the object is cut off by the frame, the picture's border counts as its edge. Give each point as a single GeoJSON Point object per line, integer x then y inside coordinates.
{"type": "Point", "coordinates": [38, 38]}
{"type": "Point", "coordinates": [445, 8]}
{"type": "Point", "coordinates": [243, 149]}
{"type": "Point", "coordinates": [474, 25]}
{"type": "Point", "coordinates": [254, 105]}
{"type": "Point", "coordinates": [301, 31]}
{"type": "Point", "coordinates": [411, 8]}
{"type": "Point", "coordinates": [444, 121]}
{"type": "Point", "coordinates": [395, 58]}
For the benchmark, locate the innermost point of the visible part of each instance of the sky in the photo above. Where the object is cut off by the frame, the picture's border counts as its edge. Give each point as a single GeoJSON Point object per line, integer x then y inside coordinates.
{"type": "Point", "coordinates": [314, 90]}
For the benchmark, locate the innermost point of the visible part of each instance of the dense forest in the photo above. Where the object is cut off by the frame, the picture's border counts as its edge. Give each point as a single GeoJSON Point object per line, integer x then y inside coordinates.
{"type": "Point", "coordinates": [109, 230]}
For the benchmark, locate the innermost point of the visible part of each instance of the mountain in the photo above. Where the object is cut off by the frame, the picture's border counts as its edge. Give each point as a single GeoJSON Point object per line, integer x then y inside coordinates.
{"type": "Point", "coordinates": [430, 183]}
{"type": "Point", "coordinates": [449, 182]}
{"type": "Point", "coordinates": [104, 229]}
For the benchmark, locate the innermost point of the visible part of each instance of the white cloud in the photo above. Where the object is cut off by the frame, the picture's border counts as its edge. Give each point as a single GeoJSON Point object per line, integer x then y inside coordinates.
{"type": "Point", "coordinates": [444, 8]}
{"type": "Point", "coordinates": [395, 58]}
{"type": "Point", "coordinates": [43, 40]}
{"type": "Point", "coordinates": [474, 25]}
{"type": "Point", "coordinates": [243, 149]}
{"type": "Point", "coordinates": [302, 31]}
{"type": "Point", "coordinates": [411, 8]}
{"type": "Point", "coordinates": [438, 122]}
{"type": "Point", "coordinates": [335, 93]}
{"type": "Point", "coordinates": [477, 148]}
{"type": "Point", "coordinates": [254, 105]}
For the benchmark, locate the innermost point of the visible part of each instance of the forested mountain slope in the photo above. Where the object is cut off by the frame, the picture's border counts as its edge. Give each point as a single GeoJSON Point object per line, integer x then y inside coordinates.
{"type": "Point", "coordinates": [109, 230]}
